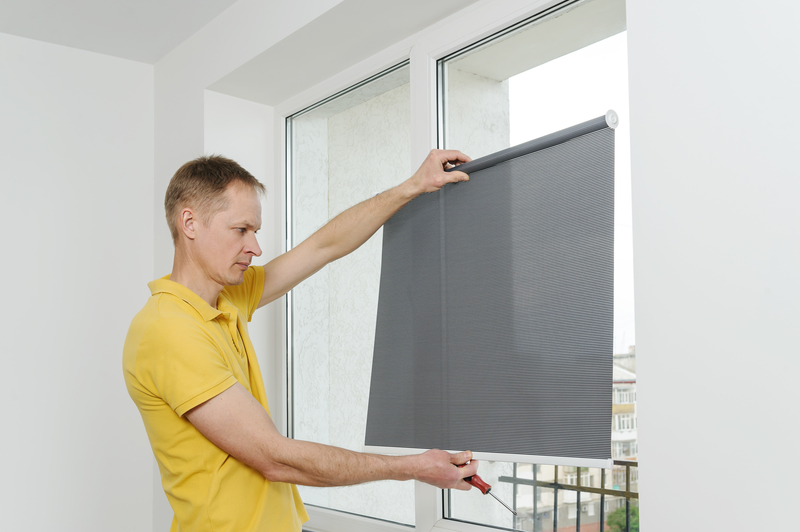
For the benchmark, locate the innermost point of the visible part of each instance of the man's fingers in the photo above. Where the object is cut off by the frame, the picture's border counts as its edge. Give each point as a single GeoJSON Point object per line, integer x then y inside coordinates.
{"type": "Point", "coordinates": [453, 157]}
{"type": "Point", "coordinates": [466, 466]}
{"type": "Point", "coordinates": [432, 175]}
{"type": "Point", "coordinates": [463, 486]}
{"type": "Point", "coordinates": [469, 469]}
{"type": "Point", "coordinates": [457, 176]}
{"type": "Point", "coordinates": [461, 458]}
{"type": "Point", "coordinates": [437, 468]}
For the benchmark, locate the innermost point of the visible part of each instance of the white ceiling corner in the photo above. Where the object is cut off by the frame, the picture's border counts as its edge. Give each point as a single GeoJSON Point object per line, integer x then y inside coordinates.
{"type": "Point", "coordinates": [140, 30]}
{"type": "Point", "coordinates": [147, 30]}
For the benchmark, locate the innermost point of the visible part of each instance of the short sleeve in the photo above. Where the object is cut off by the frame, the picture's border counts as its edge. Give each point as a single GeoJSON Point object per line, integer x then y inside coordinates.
{"type": "Point", "coordinates": [180, 362]}
{"type": "Point", "coordinates": [247, 295]}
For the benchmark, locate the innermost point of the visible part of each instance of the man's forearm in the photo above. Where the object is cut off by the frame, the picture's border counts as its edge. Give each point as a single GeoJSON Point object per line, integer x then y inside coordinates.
{"type": "Point", "coordinates": [313, 464]}
{"type": "Point", "coordinates": [351, 228]}
{"type": "Point", "coordinates": [238, 424]}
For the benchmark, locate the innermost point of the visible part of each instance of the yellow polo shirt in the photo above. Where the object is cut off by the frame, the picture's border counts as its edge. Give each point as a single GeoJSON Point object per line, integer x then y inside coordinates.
{"type": "Point", "coordinates": [179, 353]}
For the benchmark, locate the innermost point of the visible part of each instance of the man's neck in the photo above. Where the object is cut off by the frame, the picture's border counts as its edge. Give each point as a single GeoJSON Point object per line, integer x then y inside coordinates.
{"type": "Point", "coordinates": [187, 272]}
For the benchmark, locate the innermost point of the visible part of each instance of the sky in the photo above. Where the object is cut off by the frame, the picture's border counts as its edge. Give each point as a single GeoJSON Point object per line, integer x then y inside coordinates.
{"type": "Point", "coordinates": [573, 89]}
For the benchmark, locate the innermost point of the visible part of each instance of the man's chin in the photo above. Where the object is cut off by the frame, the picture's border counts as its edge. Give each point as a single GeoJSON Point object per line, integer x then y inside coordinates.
{"type": "Point", "coordinates": [235, 280]}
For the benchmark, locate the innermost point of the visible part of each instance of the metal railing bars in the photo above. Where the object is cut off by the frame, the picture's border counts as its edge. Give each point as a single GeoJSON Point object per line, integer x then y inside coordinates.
{"type": "Point", "coordinates": [572, 487]}
{"type": "Point", "coordinates": [579, 488]}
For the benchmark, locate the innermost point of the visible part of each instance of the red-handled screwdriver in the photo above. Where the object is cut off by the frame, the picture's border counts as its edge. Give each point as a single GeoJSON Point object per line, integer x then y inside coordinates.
{"type": "Point", "coordinates": [485, 488]}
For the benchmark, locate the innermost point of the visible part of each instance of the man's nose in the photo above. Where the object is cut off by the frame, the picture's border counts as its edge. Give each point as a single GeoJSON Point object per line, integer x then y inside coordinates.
{"type": "Point", "coordinates": [253, 246]}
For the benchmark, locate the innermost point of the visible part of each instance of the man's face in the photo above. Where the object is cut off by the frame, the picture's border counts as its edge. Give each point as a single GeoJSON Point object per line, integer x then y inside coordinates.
{"type": "Point", "coordinates": [226, 245]}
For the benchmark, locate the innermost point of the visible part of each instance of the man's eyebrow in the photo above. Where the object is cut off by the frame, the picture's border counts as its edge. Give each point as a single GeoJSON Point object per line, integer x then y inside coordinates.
{"type": "Point", "coordinates": [247, 224]}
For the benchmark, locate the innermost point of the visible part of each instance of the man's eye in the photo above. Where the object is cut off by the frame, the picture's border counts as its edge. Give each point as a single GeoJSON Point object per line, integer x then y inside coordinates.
{"type": "Point", "coordinates": [241, 229]}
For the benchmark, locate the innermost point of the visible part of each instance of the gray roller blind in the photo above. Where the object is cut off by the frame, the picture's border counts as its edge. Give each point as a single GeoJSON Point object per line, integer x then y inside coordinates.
{"type": "Point", "coordinates": [495, 313]}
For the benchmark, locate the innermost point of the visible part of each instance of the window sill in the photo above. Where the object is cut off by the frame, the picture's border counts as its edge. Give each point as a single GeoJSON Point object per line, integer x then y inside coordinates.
{"type": "Point", "coordinates": [449, 525]}
{"type": "Point", "coordinates": [325, 520]}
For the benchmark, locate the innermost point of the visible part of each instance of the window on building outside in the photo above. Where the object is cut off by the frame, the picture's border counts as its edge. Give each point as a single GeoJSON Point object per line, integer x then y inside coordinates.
{"type": "Point", "coordinates": [336, 149]}
{"type": "Point", "coordinates": [572, 478]}
{"type": "Point", "coordinates": [624, 422]}
{"type": "Point", "coordinates": [624, 396]}
{"type": "Point", "coordinates": [561, 68]}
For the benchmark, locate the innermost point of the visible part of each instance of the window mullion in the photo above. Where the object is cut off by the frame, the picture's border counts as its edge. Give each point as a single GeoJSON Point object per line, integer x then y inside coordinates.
{"type": "Point", "coordinates": [423, 105]}
{"type": "Point", "coordinates": [428, 506]}
{"type": "Point", "coordinates": [427, 498]}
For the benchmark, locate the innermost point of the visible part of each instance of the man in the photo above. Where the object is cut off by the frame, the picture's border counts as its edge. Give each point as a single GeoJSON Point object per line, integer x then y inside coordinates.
{"type": "Point", "coordinates": [191, 370]}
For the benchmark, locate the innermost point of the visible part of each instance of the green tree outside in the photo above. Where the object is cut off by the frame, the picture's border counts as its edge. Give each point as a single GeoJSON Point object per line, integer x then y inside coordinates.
{"type": "Point", "coordinates": [616, 520]}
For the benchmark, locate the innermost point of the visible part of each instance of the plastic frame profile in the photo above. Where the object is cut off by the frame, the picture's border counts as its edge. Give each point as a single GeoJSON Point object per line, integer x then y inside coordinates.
{"type": "Point", "coordinates": [469, 28]}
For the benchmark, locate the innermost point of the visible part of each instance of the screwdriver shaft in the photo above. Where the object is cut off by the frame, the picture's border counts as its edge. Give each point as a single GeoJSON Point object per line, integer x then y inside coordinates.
{"type": "Point", "coordinates": [485, 488]}
{"type": "Point", "coordinates": [501, 502]}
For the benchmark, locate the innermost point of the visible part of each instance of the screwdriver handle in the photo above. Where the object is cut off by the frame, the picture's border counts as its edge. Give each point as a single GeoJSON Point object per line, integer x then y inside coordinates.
{"type": "Point", "coordinates": [478, 482]}
{"type": "Point", "coordinates": [485, 488]}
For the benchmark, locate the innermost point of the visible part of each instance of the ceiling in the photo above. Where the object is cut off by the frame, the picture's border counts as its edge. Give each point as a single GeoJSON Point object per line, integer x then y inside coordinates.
{"type": "Point", "coordinates": [556, 35]}
{"type": "Point", "coordinates": [147, 30]}
{"type": "Point", "coordinates": [349, 32]}
{"type": "Point", "coordinates": [141, 30]}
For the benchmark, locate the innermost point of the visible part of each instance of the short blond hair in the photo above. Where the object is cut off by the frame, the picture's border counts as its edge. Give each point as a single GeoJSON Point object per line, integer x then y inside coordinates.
{"type": "Point", "coordinates": [201, 184]}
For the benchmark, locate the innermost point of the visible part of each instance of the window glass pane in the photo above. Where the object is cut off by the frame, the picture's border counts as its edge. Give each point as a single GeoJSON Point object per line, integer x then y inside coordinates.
{"type": "Point", "coordinates": [473, 506]}
{"type": "Point", "coordinates": [560, 69]}
{"type": "Point", "coordinates": [545, 510]}
{"type": "Point", "coordinates": [336, 150]}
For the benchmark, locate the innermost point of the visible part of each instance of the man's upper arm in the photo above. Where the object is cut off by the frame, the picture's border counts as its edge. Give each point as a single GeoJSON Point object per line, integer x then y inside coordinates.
{"type": "Point", "coordinates": [284, 272]}
{"type": "Point", "coordinates": [177, 362]}
{"type": "Point", "coordinates": [236, 422]}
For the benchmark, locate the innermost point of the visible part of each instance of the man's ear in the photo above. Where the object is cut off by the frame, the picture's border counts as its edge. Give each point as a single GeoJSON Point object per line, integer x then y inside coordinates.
{"type": "Point", "coordinates": [187, 223]}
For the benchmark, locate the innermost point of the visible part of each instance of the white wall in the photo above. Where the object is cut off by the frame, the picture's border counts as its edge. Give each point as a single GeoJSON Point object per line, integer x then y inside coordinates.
{"type": "Point", "coordinates": [240, 33]}
{"type": "Point", "coordinates": [714, 111]}
{"type": "Point", "coordinates": [311, 299]}
{"type": "Point", "coordinates": [76, 145]}
{"type": "Point", "coordinates": [242, 130]}
{"type": "Point", "coordinates": [478, 114]}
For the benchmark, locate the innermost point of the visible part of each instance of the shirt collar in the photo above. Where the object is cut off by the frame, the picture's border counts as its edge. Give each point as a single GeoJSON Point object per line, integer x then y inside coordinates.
{"type": "Point", "coordinates": [165, 286]}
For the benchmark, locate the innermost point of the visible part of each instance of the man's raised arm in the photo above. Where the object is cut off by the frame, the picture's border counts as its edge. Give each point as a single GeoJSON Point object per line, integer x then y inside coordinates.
{"type": "Point", "coordinates": [236, 423]}
{"type": "Point", "coordinates": [353, 227]}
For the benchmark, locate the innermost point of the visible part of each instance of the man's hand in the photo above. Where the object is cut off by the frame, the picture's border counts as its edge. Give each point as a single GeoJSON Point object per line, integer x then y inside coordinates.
{"type": "Point", "coordinates": [436, 467]}
{"type": "Point", "coordinates": [431, 175]}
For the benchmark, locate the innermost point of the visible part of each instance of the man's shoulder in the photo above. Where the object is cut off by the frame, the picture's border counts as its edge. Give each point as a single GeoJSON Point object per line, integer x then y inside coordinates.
{"type": "Point", "coordinates": [165, 333]}
{"type": "Point", "coordinates": [167, 306]}
{"type": "Point", "coordinates": [164, 320]}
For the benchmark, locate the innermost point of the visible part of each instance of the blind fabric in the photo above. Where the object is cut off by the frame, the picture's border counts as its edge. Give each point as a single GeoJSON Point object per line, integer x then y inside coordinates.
{"type": "Point", "coordinates": [495, 313]}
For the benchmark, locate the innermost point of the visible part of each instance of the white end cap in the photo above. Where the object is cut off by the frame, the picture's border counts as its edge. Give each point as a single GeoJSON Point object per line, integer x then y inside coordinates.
{"type": "Point", "coordinates": [612, 119]}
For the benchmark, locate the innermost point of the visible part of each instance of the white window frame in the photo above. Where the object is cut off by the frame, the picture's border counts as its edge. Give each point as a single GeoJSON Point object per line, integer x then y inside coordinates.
{"type": "Point", "coordinates": [625, 422]}
{"type": "Point", "coordinates": [625, 396]}
{"type": "Point", "coordinates": [572, 479]}
{"type": "Point", "coordinates": [424, 49]}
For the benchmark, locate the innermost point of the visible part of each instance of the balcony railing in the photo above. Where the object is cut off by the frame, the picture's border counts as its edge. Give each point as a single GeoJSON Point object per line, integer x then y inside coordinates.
{"type": "Point", "coordinates": [622, 469]}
